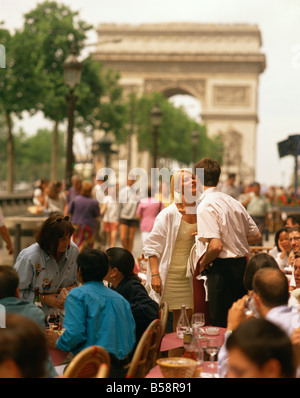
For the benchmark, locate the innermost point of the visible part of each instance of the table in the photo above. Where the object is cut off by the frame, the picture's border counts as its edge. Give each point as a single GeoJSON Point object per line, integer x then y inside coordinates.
{"type": "Point", "coordinates": [171, 341]}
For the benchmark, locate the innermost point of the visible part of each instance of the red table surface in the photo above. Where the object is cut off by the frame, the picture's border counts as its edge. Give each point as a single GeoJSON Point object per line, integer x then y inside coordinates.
{"type": "Point", "coordinates": [171, 341]}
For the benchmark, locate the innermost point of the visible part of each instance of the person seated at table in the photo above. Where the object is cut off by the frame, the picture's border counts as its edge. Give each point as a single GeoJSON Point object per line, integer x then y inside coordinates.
{"type": "Point", "coordinates": [49, 264]}
{"type": "Point", "coordinates": [294, 239]}
{"type": "Point", "coordinates": [96, 315]}
{"type": "Point", "coordinates": [23, 348]}
{"type": "Point", "coordinates": [128, 284]}
{"type": "Point", "coordinates": [258, 348]}
{"type": "Point", "coordinates": [271, 296]}
{"type": "Point", "coordinates": [10, 299]}
{"type": "Point", "coordinates": [281, 251]}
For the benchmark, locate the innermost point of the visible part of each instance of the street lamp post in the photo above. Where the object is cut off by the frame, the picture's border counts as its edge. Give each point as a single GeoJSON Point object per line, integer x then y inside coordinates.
{"type": "Point", "coordinates": [195, 139]}
{"type": "Point", "coordinates": [156, 119]}
{"type": "Point", "coordinates": [72, 74]}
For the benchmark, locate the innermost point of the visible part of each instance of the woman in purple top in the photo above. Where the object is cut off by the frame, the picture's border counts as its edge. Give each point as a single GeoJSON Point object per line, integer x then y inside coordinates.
{"type": "Point", "coordinates": [85, 211]}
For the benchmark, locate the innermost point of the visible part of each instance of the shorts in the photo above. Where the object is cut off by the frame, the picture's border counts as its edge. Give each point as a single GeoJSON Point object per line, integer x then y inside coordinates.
{"type": "Point", "coordinates": [110, 226]}
{"type": "Point", "coordinates": [130, 223]}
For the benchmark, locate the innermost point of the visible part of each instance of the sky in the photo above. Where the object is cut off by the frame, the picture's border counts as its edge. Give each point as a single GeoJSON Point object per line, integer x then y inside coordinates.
{"type": "Point", "coordinates": [279, 85]}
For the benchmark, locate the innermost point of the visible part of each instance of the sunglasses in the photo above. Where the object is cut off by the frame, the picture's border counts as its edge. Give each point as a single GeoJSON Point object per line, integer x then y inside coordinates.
{"type": "Point", "coordinates": [60, 219]}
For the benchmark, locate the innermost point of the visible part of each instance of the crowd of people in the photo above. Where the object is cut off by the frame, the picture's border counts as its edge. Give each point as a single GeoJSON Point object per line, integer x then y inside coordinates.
{"type": "Point", "coordinates": [197, 244]}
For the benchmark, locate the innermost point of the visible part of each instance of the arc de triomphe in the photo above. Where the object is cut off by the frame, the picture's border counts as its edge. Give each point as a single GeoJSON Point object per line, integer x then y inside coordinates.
{"type": "Point", "coordinates": [219, 65]}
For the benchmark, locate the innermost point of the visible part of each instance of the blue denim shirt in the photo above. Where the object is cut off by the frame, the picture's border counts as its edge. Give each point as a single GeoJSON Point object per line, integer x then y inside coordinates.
{"type": "Point", "coordinates": [97, 315]}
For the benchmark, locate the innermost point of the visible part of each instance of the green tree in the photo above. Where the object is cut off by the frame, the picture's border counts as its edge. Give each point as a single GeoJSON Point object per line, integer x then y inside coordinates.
{"type": "Point", "coordinates": [174, 140]}
{"type": "Point", "coordinates": [18, 90]}
{"type": "Point", "coordinates": [33, 157]}
{"type": "Point", "coordinates": [56, 29]}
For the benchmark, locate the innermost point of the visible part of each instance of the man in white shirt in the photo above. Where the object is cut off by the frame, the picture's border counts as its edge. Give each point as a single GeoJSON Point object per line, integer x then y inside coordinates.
{"type": "Point", "coordinates": [227, 229]}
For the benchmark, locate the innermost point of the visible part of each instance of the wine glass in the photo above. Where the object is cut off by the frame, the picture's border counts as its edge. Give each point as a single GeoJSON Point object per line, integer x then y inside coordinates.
{"type": "Point", "coordinates": [212, 348]}
{"type": "Point", "coordinates": [198, 320]}
{"type": "Point", "coordinates": [52, 318]}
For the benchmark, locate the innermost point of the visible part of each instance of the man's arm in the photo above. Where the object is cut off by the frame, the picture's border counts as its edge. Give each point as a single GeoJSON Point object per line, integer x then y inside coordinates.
{"type": "Point", "coordinates": [4, 233]}
{"type": "Point", "coordinates": [214, 248]}
{"type": "Point", "coordinates": [252, 239]}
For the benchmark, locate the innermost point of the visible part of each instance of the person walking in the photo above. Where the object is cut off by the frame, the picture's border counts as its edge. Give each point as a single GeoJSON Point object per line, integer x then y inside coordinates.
{"type": "Point", "coordinates": [85, 211]}
{"type": "Point", "coordinates": [259, 208]}
{"type": "Point", "coordinates": [226, 229]}
{"type": "Point", "coordinates": [147, 211]}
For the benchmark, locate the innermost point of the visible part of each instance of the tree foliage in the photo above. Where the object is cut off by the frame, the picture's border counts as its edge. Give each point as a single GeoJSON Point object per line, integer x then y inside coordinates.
{"type": "Point", "coordinates": [174, 140]}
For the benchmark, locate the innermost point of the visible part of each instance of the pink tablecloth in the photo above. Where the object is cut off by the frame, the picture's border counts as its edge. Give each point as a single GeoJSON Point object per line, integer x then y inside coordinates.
{"type": "Point", "coordinates": [171, 341]}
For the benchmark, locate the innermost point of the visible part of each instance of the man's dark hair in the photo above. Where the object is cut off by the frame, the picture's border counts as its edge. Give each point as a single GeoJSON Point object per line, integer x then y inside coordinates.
{"type": "Point", "coordinates": [93, 264]}
{"type": "Point", "coordinates": [260, 340]}
{"type": "Point", "coordinates": [24, 342]}
{"type": "Point", "coordinates": [295, 219]}
{"type": "Point", "coordinates": [295, 228]}
{"type": "Point", "coordinates": [272, 287]}
{"type": "Point", "coordinates": [258, 261]}
{"type": "Point", "coordinates": [212, 171]}
{"type": "Point", "coordinates": [9, 281]}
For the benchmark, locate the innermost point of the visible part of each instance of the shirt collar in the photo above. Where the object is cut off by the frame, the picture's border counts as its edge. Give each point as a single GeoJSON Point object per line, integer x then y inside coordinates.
{"type": "Point", "coordinates": [208, 191]}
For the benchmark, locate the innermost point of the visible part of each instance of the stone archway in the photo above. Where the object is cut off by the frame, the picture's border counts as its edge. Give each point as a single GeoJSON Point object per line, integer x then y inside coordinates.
{"type": "Point", "coordinates": [217, 64]}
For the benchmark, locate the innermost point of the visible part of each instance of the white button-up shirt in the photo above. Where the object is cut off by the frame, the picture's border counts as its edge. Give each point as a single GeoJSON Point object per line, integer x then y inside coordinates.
{"type": "Point", "coordinates": [223, 217]}
{"type": "Point", "coordinates": [160, 243]}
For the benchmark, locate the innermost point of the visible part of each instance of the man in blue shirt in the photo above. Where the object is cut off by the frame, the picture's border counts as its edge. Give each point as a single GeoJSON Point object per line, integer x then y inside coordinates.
{"type": "Point", "coordinates": [96, 315]}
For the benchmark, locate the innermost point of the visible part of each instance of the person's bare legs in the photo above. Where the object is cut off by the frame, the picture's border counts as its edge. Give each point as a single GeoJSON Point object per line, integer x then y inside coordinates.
{"type": "Point", "coordinates": [130, 240]}
{"type": "Point", "coordinates": [113, 237]}
{"type": "Point", "coordinates": [123, 235]}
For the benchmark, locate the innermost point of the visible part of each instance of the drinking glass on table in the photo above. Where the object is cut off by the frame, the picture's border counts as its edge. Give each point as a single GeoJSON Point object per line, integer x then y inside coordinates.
{"type": "Point", "coordinates": [212, 348]}
{"type": "Point", "coordinates": [198, 320]}
{"type": "Point", "coordinates": [53, 318]}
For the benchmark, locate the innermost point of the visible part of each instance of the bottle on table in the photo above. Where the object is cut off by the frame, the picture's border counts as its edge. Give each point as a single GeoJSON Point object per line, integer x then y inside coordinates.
{"type": "Point", "coordinates": [37, 300]}
{"type": "Point", "coordinates": [193, 349]}
{"type": "Point", "coordinates": [183, 324]}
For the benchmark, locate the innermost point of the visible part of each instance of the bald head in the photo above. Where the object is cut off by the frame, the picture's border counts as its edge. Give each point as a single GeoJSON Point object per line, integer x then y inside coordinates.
{"type": "Point", "coordinates": [272, 287]}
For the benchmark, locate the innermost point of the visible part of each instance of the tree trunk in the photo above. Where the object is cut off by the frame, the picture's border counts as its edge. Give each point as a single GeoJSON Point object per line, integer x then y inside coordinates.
{"type": "Point", "coordinates": [10, 154]}
{"type": "Point", "coordinates": [54, 154]}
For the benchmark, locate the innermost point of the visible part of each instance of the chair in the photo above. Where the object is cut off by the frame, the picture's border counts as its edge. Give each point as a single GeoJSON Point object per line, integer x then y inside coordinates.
{"type": "Point", "coordinates": [145, 354]}
{"type": "Point", "coordinates": [163, 316]}
{"type": "Point", "coordinates": [92, 362]}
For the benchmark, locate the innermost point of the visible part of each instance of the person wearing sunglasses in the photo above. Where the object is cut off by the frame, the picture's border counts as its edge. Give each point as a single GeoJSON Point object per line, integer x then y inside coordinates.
{"type": "Point", "coordinates": [50, 264]}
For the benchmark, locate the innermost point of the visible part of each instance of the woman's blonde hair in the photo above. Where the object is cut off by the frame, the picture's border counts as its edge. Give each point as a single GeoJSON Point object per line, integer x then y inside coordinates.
{"type": "Point", "coordinates": [176, 182]}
